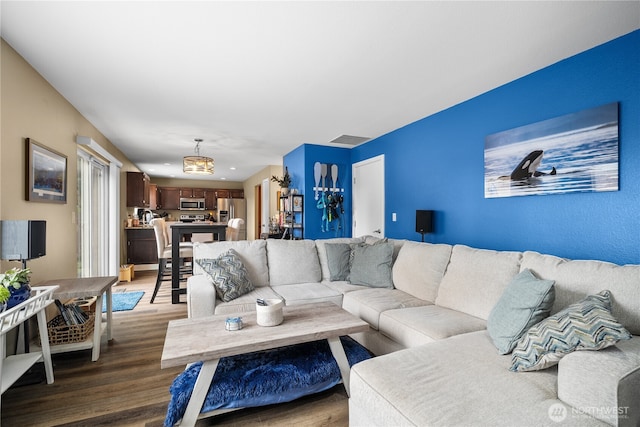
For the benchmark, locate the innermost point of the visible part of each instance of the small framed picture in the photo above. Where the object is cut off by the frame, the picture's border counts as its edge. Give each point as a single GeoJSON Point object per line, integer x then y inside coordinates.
{"type": "Point", "coordinates": [46, 171]}
{"type": "Point", "coordinates": [297, 203]}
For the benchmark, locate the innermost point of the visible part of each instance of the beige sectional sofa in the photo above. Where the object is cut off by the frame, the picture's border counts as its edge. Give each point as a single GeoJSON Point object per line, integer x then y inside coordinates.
{"type": "Point", "coordinates": [437, 364]}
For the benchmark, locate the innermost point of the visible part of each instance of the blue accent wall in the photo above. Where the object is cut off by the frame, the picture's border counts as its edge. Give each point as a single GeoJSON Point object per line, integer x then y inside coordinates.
{"type": "Point", "coordinates": [437, 163]}
{"type": "Point", "coordinates": [300, 163]}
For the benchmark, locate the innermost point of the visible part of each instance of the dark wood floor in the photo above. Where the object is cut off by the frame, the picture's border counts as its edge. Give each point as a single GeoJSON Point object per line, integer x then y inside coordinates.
{"type": "Point", "coordinates": [126, 386]}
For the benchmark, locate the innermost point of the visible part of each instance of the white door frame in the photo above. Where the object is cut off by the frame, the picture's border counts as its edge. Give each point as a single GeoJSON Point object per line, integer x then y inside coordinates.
{"type": "Point", "coordinates": [265, 214]}
{"type": "Point", "coordinates": [377, 159]}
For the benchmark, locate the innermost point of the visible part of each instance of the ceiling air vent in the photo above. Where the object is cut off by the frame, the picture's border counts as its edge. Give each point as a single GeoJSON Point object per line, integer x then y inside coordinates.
{"type": "Point", "coordinates": [349, 140]}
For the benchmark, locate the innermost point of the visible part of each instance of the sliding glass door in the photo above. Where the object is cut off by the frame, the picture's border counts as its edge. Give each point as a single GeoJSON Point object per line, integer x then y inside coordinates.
{"type": "Point", "coordinates": [93, 216]}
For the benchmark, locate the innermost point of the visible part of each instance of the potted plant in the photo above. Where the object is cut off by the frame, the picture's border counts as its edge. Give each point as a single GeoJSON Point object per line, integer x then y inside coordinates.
{"type": "Point", "coordinates": [16, 281]}
{"type": "Point", "coordinates": [284, 182]}
{"type": "Point", "coordinates": [4, 297]}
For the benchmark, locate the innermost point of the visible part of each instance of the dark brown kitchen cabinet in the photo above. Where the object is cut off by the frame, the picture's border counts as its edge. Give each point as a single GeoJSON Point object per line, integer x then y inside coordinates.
{"type": "Point", "coordinates": [210, 199]}
{"type": "Point", "coordinates": [169, 198]}
{"type": "Point", "coordinates": [192, 192]}
{"type": "Point", "coordinates": [153, 197]}
{"type": "Point", "coordinates": [198, 192]}
{"type": "Point", "coordinates": [137, 190]}
{"type": "Point", "coordinates": [237, 194]}
{"type": "Point", "coordinates": [222, 194]}
{"type": "Point", "coordinates": [141, 246]}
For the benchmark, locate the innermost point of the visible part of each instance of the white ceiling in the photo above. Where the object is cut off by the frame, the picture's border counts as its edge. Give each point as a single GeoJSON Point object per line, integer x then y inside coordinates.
{"type": "Point", "coordinates": [254, 80]}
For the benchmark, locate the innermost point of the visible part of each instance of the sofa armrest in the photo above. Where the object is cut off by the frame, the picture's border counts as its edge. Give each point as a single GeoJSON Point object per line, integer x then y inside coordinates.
{"type": "Point", "coordinates": [604, 384]}
{"type": "Point", "coordinates": [201, 297]}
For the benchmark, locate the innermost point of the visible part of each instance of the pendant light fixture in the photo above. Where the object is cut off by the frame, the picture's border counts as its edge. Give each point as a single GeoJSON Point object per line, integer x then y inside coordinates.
{"type": "Point", "coordinates": [198, 165]}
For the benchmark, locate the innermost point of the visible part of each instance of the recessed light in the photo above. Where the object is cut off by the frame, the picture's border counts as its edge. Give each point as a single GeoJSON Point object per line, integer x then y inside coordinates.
{"type": "Point", "coordinates": [223, 179]}
{"type": "Point", "coordinates": [232, 168]}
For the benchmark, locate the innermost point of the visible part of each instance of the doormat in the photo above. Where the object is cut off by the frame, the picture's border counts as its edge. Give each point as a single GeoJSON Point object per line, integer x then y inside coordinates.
{"type": "Point", "coordinates": [122, 301]}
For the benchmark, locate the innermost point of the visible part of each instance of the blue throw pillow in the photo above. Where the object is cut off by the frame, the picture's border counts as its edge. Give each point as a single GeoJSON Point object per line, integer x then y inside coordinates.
{"type": "Point", "coordinates": [526, 301]}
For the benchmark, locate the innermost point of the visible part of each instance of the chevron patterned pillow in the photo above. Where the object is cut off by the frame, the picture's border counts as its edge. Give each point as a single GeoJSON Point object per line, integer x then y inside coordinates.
{"type": "Point", "coordinates": [228, 274]}
{"type": "Point", "coordinates": [585, 325]}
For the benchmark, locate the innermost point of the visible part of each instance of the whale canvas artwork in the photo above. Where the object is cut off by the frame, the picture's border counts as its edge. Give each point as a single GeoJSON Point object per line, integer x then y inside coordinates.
{"type": "Point", "coordinates": [576, 152]}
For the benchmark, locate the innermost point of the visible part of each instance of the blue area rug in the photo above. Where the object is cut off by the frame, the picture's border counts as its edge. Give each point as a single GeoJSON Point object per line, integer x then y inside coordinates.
{"type": "Point", "coordinates": [264, 377]}
{"type": "Point", "coordinates": [122, 301]}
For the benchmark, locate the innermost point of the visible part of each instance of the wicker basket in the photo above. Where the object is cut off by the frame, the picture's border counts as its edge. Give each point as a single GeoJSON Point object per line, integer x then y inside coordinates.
{"type": "Point", "coordinates": [61, 333]}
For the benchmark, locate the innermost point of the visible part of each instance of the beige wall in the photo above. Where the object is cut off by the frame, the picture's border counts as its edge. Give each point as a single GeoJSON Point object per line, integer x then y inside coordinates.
{"type": "Point", "coordinates": [32, 108]}
{"type": "Point", "coordinates": [249, 194]}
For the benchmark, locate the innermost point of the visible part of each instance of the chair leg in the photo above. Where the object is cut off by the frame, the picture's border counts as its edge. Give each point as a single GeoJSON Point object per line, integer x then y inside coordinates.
{"type": "Point", "coordinates": [162, 264]}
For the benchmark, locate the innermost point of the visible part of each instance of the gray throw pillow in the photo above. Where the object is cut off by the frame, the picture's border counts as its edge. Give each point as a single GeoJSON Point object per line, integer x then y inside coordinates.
{"type": "Point", "coordinates": [372, 265]}
{"type": "Point", "coordinates": [526, 301]}
{"type": "Point", "coordinates": [338, 255]}
{"type": "Point", "coordinates": [228, 274]}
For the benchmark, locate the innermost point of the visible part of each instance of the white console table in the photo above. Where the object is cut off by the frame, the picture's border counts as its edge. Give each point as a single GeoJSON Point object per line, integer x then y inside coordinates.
{"type": "Point", "coordinates": [12, 367]}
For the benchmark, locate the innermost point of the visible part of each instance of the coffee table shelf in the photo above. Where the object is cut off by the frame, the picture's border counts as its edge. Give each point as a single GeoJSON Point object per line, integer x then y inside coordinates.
{"type": "Point", "coordinates": [206, 339]}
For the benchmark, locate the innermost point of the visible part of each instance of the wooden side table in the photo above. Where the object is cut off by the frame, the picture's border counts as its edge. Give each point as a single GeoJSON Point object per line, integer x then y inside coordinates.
{"type": "Point", "coordinates": [84, 287]}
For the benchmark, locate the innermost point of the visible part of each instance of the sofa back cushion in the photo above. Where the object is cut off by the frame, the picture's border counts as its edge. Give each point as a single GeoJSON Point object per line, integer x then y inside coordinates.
{"type": "Point", "coordinates": [419, 268]}
{"type": "Point", "coordinates": [476, 278]}
{"type": "Point", "coordinates": [252, 253]}
{"type": "Point", "coordinates": [322, 252]}
{"type": "Point", "coordinates": [293, 261]}
{"type": "Point", "coordinates": [575, 279]}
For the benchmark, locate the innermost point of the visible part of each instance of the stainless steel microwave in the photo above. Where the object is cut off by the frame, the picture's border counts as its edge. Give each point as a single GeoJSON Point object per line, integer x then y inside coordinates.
{"type": "Point", "coordinates": [191, 204]}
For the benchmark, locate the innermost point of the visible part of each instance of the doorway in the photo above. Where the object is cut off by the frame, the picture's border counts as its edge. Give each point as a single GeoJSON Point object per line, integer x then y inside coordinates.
{"type": "Point", "coordinates": [368, 197]}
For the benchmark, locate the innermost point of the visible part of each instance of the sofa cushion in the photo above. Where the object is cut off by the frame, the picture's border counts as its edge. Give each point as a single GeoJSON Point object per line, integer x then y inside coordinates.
{"type": "Point", "coordinates": [585, 325]}
{"type": "Point", "coordinates": [603, 381]}
{"type": "Point", "coordinates": [419, 268]}
{"type": "Point", "coordinates": [476, 278]}
{"type": "Point", "coordinates": [575, 279]}
{"type": "Point", "coordinates": [308, 293]}
{"type": "Point", "coordinates": [322, 253]}
{"type": "Point", "coordinates": [415, 326]}
{"type": "Point", "coordinates": [228, 275]}
{"type": "Point", "coordinates": [246, 302]}
{"type": "Point", "coordinates": [458, 381]}
{"type": "Point", "coordinates": [292, 261]}
{"type": "Point", "coordinates": [253, 254]}
{"type": "Point", "coordinates": [338, 256]}
{"type": "Point", "coordinates": [526, 301]}
{"type": "Point", "coordinates": [369, 303]}
{"type": "Point", "coordinates": [372, 265]}
{"type": "Point", "coordinates": [342, 286]}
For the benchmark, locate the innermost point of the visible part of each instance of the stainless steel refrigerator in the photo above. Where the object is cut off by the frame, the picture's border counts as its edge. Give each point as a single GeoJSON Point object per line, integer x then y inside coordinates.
{"type": "Point", "coordinates": [233, 208]}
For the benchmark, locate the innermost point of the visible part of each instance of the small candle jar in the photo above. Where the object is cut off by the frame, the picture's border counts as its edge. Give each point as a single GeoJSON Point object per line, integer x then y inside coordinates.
{"type": "Point", "coordinates": [233, 323]}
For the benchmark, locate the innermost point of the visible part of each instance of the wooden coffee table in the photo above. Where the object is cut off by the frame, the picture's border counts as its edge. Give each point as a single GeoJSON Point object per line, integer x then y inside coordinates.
{"type": "Point", "coordinates": [207, 340]}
